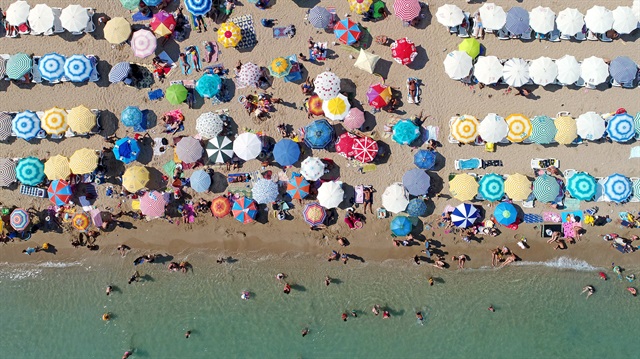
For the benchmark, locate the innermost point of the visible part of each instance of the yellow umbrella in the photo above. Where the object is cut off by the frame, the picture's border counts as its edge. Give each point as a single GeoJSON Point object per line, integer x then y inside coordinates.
{"type": "Point", "coordinates": [135, 178]}
{"type": "Point", "coordinates": [567, 130]}
{"type": "Point", "coordinates": [360, 6]}
{"type": "Point", "coordinates": [465, 128]}
{"type": "Point", "coordinates": [337, 108]}
{"type": "Point", "coordinates": [280, 67]}
{"type": "Point", "coordinates": [117, 30]}
{"type": "Point", "coordinates": [54, 121]}
{"type": "Point", "coordinates": [81, 222]}
{"type": "Point", "coordinates": [229, 34]}
{"type": "Point", "coordinates": [57, 167]}
{"type": "Point", "coordinates": [519, 127]}
{"type": "Point", "coordinates": [517, 187]}
{"type": "Point", "coordinates": [463, 187]}
{"type": "Point", "coordinates": [81, 119]}
{"type": "Point", "coordinates": [83, 161]}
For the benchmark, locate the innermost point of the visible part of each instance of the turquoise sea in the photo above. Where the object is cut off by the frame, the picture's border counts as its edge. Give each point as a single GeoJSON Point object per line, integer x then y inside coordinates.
{"type": "Point", "coordinates": [53, 310]}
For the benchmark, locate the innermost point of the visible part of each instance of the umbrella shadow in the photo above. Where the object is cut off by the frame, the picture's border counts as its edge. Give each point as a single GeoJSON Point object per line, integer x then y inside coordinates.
{"type": "Point", "coordinates": [150, 119]}
{"type": "Point", "coordinates": [112, 165]}
{"type": "Point", "coordinates": [437, 183]}
{"type": "Point", "coordinates": [306, 3]}
{"type": "Point", "coordinates": [108, 122]}
{"type": "Point", "coordinates": [155, 179]}
{"type": "Point", "coordinates": [348, 200]}
{"type": "Point", "coordinates": [382, 67]}
{"type": "Point", "coordinates": [369, 122]}
{"type": "Point", "coordinates": [384, 153]}
{"type": "Point", "coordinates": [262, 216]}
{"type": "Point", "coordinates": [440, 162]}
{"type": "Point", "coordinates": [146, 151]}
{"type": "Point", "coordinates": [348, 86]}
{"type": "Point", "coordinates": [421, 59]}
{"type": "Point", "coordinates": [219, 183]}
{"type": "Point", "coordinates": [103, 68]}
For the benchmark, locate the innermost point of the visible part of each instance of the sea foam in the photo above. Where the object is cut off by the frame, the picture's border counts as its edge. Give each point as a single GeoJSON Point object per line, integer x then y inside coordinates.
{"type": "Point", "coordinates": [562, 263]}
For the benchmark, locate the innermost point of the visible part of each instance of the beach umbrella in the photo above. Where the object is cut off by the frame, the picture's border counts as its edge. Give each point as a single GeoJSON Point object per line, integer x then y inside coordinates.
{"type": "Point", "coordinates": [344, 145]}
{"type": "Point", "coordinates": [19, 219]}
{"type": "Point", "coordinates": [126, 150]}
{"type": "Point", "coordinates": [517, 21]}
{"type": "Point", "coordinates": [636, 189]}
{"type": "Point", "coordinates": [51, 66]}
{"type": "Point", "coordinates": [493, 128]}
{"type": "Point", "coordinates": [41, 18]}
{"type": "Point", "coordinates": [517, 187]}
{"type": "Point", "coordinates": [543, 71]}
{"type": "Point", "coordinates": [198, 7]}
{"type": "Point", "coordinates": [416, 181]}
{"type": "Point", "coordinates": [636, 9]}
{"type": "Point", "coordinates": [312, 168]}
{"type": "Point", "coordinates": [519, 127]}
{"type": "Point", "coordinates": [74, 18]}
{"type": "Point", "coordinates": [465, 128]}
{"type": "Point", "coordinates": [424, 159]}
{"type": "Point", "coordinates": [26, 125]}
{"type": "Point", "coordinates": [314, 214]}
{"type": "Point", "coordinates": [599, 19]}
{"type": "Point", "coordinates": [83, 161]}
{"type": "Point", "coordinates": [567, 130]}
{"type": "Point", "coordinates": [163, 23]}
{"type": "Point", "coordinates": [189, 150]}
{"type": "Point", "coordinates": [458, 64]}
{"type": "Point", "coordinates": [505, 213]}
{"type": "Point", "coordinates": [354, 119]}
{"type": "Point", "coordinates": [319, 17]}
{"type": "Point", "coordinates": [493, 16]}
{"type": "Point", "coordinates": [405, 132]}
{"type": "Point", "coordinates": [247, 146]}
{"type": "Point", "coordinates": [330, 194]}
{"type": "Point", "coordinates": [59, 192]}
{"type": "Point", "coordinates": [636, 121]}
{"type": "Point", "coordinates": [152, 204]}
{"type": "Point", "coordinates": [542, 19]}
{"type": "Point", "coordinates": [366, 61]}
{"type": "Point", "coordinates": [395, 198]}
{"type": "Point", "coordinates": [624, 21]}
{"type": "Point", "coordinates": [219, 149]}
{"type": "Point", "coordinates": [118, 30]}
{"type": "Point", "coordinates": [30, 171]}
{"type": "Point", "coordinates": [286, 152]}
{"type": "Point", "coordinates": [449, 15]}
{"type": "Point", "coordinates": [131, 116]}
{"type": "Point", "coordinates": [404, 51]}
{"type": "Point", "coordinates": [220, 207]}
{"type": "Point", "coordinates": [18, 65]}
{"type": "Point", "coordinates": [77, 68]}
{"type": "Point", "coordinates": [314, 105]}
{"type": "Point", "coordinates": [582, 186]}
{"type": "Point", "coordinates": [209, 125]}
{"type": "Point", "coordinates": [130, 4]}
{"type": "Point", "coordinates": [406, 10]}
{"type": "Point", "coordinates": [5, 126]}
{"type": "Point", "coordinates": [594, 70]}
{"type": "Point", "coordinates": [297, 187]}
{"type": "Point", "coordinates": [471, 46]}
{"type": "Point", "coordinates": [620, 127]}
{"type": "Point", "coordinates": [360, 6]}
{"type": "Point", "coordinates": [57, 167]}
{"type": "Point", "coordinates": [135, 178]}
{"type": "Point", "coordinates": [143, 43]}
{"type": "Point", "coordinates": [568, 70]}
{"type": "Point", "coordinates": [17, 13]}
{"type": "Point", "coordinates": [119, 72]}
{"type": "Point", "coordinates": [463, 187]}
{"type": "Point", "coordinates": [543, 130]}
{"type": "Point", "coordinates": [378, 95]}
{"type": "Point", "coordinates": [488, 70]}
{"type": "Point", "coordinates": [200, 181]}
{"type": "Point", "coordinates": [248, 75]}
{"type": "Point", "coordinates": [327, 85]}
{"type": "Point", "coordinates": [229, 34]}
{"type": "Point", "coordinates": [318, 134]}
{"type": "Point", "coordinates": [623, 70]}
{"type": "Point", "coordinates": [590, 126]}
{"type": "Point", "coordinates": [336, 108]}
{"type": "Point", "coordinates": [491, 187]}
{"type": "Point", "coordinates": [280, 67]}
{"type": "Point", "coordinates": [570, 21]}
{"type": "Point", "coordinates": [618, 188]}
{"type": "Point", "coordinates": [365, 149]}
{"type": "Point", "coordinates": [176, 94]}
{"type": "Point", "coordinates": [515, 72]}
{"type": "Point", "coordinates": [7, 172]}
{"type": "Point", "coordinates": [416, 207]}
{"type": "Point", "coordinates": [464, 215]}
{"type": "Point", "coordinates": [401, 226]}
{"type": "Point", "coordinates": [546, 188]}
{"type": "Point", "coordinates": [209, 85]}
{"type": "Point", "coordinates": [347, 31]}
{"type": "Point", "coordinates": [244, 210]}
{"type": "Point", "coordinates": [54, 121]}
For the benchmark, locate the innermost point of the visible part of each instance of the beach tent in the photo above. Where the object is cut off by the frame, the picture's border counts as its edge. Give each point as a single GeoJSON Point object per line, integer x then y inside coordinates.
{"type": "Point", "coordinates": [265, 191]}
{"type": "Point", "coordinates": [229, 34]}
{"type": "Point", "coordinates": [517, 187]}
{"type": "Point", "coordinates": [200, 181]}
{"type": "Point", "coordinates": [7, 172]}
{"type": "Point", "coordinates": [59, 192]}
{"type": "Point", "coordinates": [280, 67]}
{"type": "Point", "coordinates": [590, 126]}
{"type": "Point", "coordinates": [424, 159]}
{"type": "Point", "coordinates": [81, 119]}
{"type": "Point", "coordinates": [19, 219]}
{"type": "Point", "coordinates": [463, 187]}
{"type": "Point", "coordinates": [458, 64]}
{"type": "Point", "coordinates": [488, 70]}
{"type": "Point", "coordinates": [135, 178]}
{"type": "Point", "coordinates": [515, 72]}
{"type": "Point", "coordinates": [314, 214]}
{"type": "Point", "coordinates": [41, 19]}
{"type": "Point", "coordinates": [464, 128]}
{"type": "Point", "coordinates": [153, 203]}
{"type": "Point", "coordinates": [26, 125]}
{"type": "Point", "coordinates": [491, 187]}
{"type": "Point", "coordinates": [401, 226]}
{"type": "Point", "coordinates": [220, 207]}
{"type": "Point", "coordinates": [395, 198]}
{"type": "Point", "coordinates": [209, 85]}
{"type": "Point", "coordinates": [416, 181]}
{"type": "Point", "coordinates": [189, 150]}
{"type": "Point", "coordinates": [493, 128]}
{"type": "Point", "coordinates": [594, 71]}
{"type": "Point", "coordinates": [83, 161]}
{"type": "Point", "coordinates": [624, 21]}
{"type": "Point", "coordinates": [416, 207]}
{"type": "Point", "coordinates": [17, 13]}
{"type": "Point", "coordinates": [143, 43]}
{"type": "Point", "coordinates": [318, 134]}
{"type": "Point", "coordinates": [247, 146]}
{"type": "Point", "coordinates": [163, 23]}
{"type": "Point", "coordinates": [546, 188]}
{"type": "Point", "coordinates": [582, 186]}
{"type": "Point", "coordinates": [337, 108]}
{"type": "Point", "coordinates": [378, 95]}
{"type": "Point", "coordinates": [505, 213]}
{"type": "Point", "coordinates": [18, 65]}
{"type": "Point", "coordinates": [403, 51]}
{"type": "Point", "coordinates": [617, 188]}
{"type": "Point", "coordinates": [406, 10]}
{"type": "Point", "coordinates": [620, 127]}
{"type": "Point", "coordinates": [319, 17]}
{"type": "Point", "coordinates": [464, 215]}
{"type": "Point", "coordinates": [54, 121]}
{"type": "Point", "coordinates": [327, 85]}
{"type": "Point", "coordinates": [118, 72]}
{"type": "Point", "coordinates": [117, 30]}
{"type": "Point", "coordinates": [623, 70]}
{"type": "Point", "coordinates": [77, 68]}
{"type": "Point", "coordinates": [366, 61]}
{"type": "Point", "coordinates": [599, 19]}
{"type": "Point", "coordinates": [570, 21]}
{"type": "Point", "coordinates": [126, 150]}
{"type": "Point", "coordinates": [209, 125]}
{"type": "Point", "coordinates": [330, 194]}
{"type": "Point", "coordinates": [298, 187]}
{"type": "Point", "coordinates": [493, 16]}
{"type": "Point", "coordinates": [517, 21]}
{"type": "Point", "coordinates": [30, 171]}
{"type": "Point", "coordinates": [449, 15]}
{"type": "Point", "coordinates": [519, 127]}
{"type": "Point", "coordinates": [51, 66]}
{"type": "Point", "coordinates": [471, 46]}
{"type": "Point", "coordinates": [248, 75]}
{"type": "Point", "coordinates": [219, 149]}
{"type": "Point", "coordinates": [543, 71]}
{"type": "Point", "coordinates": [542, 19]}
{"type": "Point", "coordinates": [198, 7]}
{"type": "Point", "coordinates": [312, 168]}
{"type": "Point", "coordinates": [567, 130]}
{"type": "Point", "coordinates": [405, 132]}
{"type": "Point", "coordinates": [244, 210]}
{"type": "Point", "coordinates": [354, 119]}
{"type": "Point", "coordinates": [176, 94]}
{"type": "Point", "coordinates": [74, 18]}
{"type": "Point", "coordinates": [365, 149]}
{"type": "Point", "coordinates": [568, 70]}
{"type": "Point", "coordinates": [286, 152]}
{"type": "Point", "coordinates": [543, 130]}
{"type": "Point", "coordinates": [57, 167]}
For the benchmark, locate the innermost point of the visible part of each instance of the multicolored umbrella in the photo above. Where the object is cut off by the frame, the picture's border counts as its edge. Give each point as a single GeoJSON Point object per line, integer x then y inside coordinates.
{"type": "Point", "coordinates": [517, 187]}
{"type": "Point", "coordinates": [220, 207]}
{"type": "Point", "coordinates": [312, 168]}
{"type": "Point", "coordinates": [30, 171]}
{"type": "Point", "coordinates": [51, 66]}
{"type": "Point", "coordinates": [319, 134]}
{"type": "Point", "coordinates": [57, 168]}
{"type": "Point", "coordinates": [493, 16]}
{"type": "Point", "coordinates": [7, 172]}
{"type": "Point", "coordinates": [143, 43]}
{"type": "Point", "coordinates": [567, 130]}
{"type": "Point", "coordinates": [59, 192]}
{"type": "Point", "coordinates": [280, 67]}
{"type": "Point", "coordinates": [219, 149]}
{"type": "Point", "coordinates": [336, 108]}
{"type": "Point", "coordinates": [517, 20]}
{"type": "Point", "coordinates": [131, 116]}
{"type": "Point", "coordinates": [54, 121]}
{"type": "Point", "coordinates": [582, 186]}
{"type": "Point", "coordinates": [247, 146]}
{"type": "Point", "coordinates": [569, 21]}
{"type": "Point", "coordinates": [488, 69]}
{"type": "Point", "coordinates": [618, 188]}
{"type": "Point", "coordinates": [546, 188]}
{"type": "Point", "coordinates": [416, 207]}
{"type": "Point", "coordinates": [153, 204]}
{"type": "Point", "coordinates": [464, 215]}
{"type": "Point", "coordinates": [19, 219]}
{"type": "Point", "coordinates": [163, 23]}
{"type": "Point", "coordinates": [543, 71]}
{"type": "Point", "coordinates": [365, 149]}
{"type": "Point", "coordinates": [119, 72]}
{"type": "Point", "coordinates": [81, 119]}
{"type": "Point", "coordinates": [209, 125]}
{"type": "Point", "coordinates": [465, 128]}
{"type": "Point", "coordinates": [449, 15]}
{"type": "Point", "coordinates": [135, 178]}
{"type": "Point", "coordinates": [314, 105]}
{"type": "Point", "coordinates": [18, 65]}
{"type": "Point", "coordinates": [379, 95]}
{"type": "Point", "coordinates": [286, 152]}
{"type": "Point", "coordinates": [404, 51]}
{"type": "Point", "coordinates": [599, 19]}
{"type": "Point", "coordinates": [395, 198]}
{"type": "Point", "coordinates": [327, 85]}
{"type": "Point", "coordinates": [406, 10]}
{"type": "Point", "coordinates": [623, 70]}
{"type": "Point", "coordinates": [347, 31]}
{"type": "Point", "coordinates": [543, 130]}
{"type": "Point", "coordinates": [405, 132]}
{"type": "Point", "coordinates": [463, 187]}
{"type": "Point", "coordinates": [176, 94]}
{"type": "Point", "coordinates": [248, 75]}
{"type": "Point", "coordinates": [416, 182]}
{"type": "Point", "coordinates": [244, 210]}
{"type": "Point", "coordinates": [519, 127]}
{"type": "Point", "coordinates": [458, 64]}
{"type": "Point", "coordinates": [229, 34]}
{"type": "Point", "coordinates": [189, 150]}
{"type": "Point", "coordinates": [74, 18]}
{"type": "Point", "coordinates": [198, 7]}
{"type": "Point", "coordinates": [620, 127]}
{"type": "Point", "coordinates": [493, 128]}
{"type": "Point", "coordinates": [200, 181]}
{"type": "Point", "coordinates": [314, 214]}
{"type": "Point", "coordinates": [26, 125]}
{"type": "Point", "coordinates": [515, 72]}
{"type": "Point", "coordinates": [542, 19]}
{"type": "Point", "coordinates": [505, 213]}
{"type": "Point", "coordinates": [83, 161]}
{"type": "Point", "coordinates": [471, 46]}
{"type": "Point", "coordinates": [401, 226]}
{"type": "Point", "coordinates": [265, 191]}
{"type": "Point", "coordinates": [424, 159]}
{"type": "Point", "coordinates": [298, 187]}
{"type": "Point", "coordinates": [354, 120]}
{"type": "Point", "coordinates": [117, 30]}
{"type": "Point", "coordinates": [590, 126]}
{"type": "Point", "coordinates": [491, 187]}
{"type": "Point", "coordinates": [209, 85]}
{"type": "Point", "coordinates": [126, 150]}
{"type": "Point", "coordinates": [319, 17]}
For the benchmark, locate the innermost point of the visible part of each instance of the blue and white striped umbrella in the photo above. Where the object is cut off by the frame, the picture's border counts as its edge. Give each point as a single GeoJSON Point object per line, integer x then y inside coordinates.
{"type": "Point", "coordinates": [621, 128]}
{"type": "Point", "coordinates": [51, 66]}
{"type": "Point", "coordinates": [77, 68]}
{"type": "Point", "coordinates": [264, 191]}
{"type": "Point", "coordinates": [623, 69]}
{"type": "Point", "coordinates": [618, 188]}
{"type": "Point", "coordinates": [416, 207]}
{"type": "Point", "coordinates": [416, 181]}
{"type": "Point", "coordinates": [582, 186]}
{"type": "Point", "coordinates": [30, 171]}
{"type": "Point", "coordinates": [465, 215]}
{"type": "Point", "coordinates": [26, 125]}
{"type": "Point", "coordinates": [119, 72]}
{"type": "Point", "coordinates": [319, 17]}
{"type": "Point", "coordinates": [198, 7]}
{"type": "Point", "coordinates": [200, 181]}
{"type": "Point", "coordinates": [517, 20]}
{"type": "Point", "coordinates": [491, 187]}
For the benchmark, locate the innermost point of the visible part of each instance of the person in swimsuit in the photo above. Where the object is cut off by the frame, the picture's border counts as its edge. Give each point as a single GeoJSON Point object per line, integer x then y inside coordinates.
{"type": "Point", "coordinates": [185, 64]}
{"type": "Point", "coordinates": [367, 193]}
{"type": "Point", "coordinates": [305, 331]}
{"type": "Point", "coordinates": [187, 334]}
{"type": "Point", "coordinates": [127, 354]}
{"type": "Point", "coordinates": [287, 288]}
{"type": "Point", "coordinates": [589, 289]}
{"type": "Point", "coordinates": [344, 317]}
{"type": "Point", "coordinates": [419, 317]}
{"type": "Point", "coordinates": [280, 276]}
{"type": "Point", "coordinates": [491, 308]}
{"type": "Point", "coordinates": [327, 281]}
{"type": "Point", "coordinates": [109, 289]}
{"type": "Point", "coordinates": [376, 309]}
{"type": "Point", "coordinates": [386, 315]}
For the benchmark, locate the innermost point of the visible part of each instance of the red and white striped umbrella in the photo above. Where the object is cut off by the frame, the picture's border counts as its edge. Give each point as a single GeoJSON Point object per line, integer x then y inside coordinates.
{"type": "Point", "coordinates": [365, 149]}
{"type": "Point", "coordinates": [152, 204]}
{"type": "Point", "coordinates": [143, 43]}
{"type": "Point", "coordinates": [406, 10]}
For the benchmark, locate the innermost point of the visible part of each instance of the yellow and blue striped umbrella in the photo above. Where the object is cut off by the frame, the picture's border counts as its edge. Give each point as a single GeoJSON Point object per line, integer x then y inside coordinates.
{"type": "Point", "coordinates": [463, 187]}
{"type": "Point", "coordinates": [54, 121]}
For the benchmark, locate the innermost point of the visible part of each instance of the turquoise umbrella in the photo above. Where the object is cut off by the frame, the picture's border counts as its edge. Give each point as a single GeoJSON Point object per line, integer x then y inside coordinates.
{"type": "Point", "coordinates": [505, 213]}
{"type": "Point", "coordinates": [405, 132]}
{"type": "Point", "coordinates": [546, 188]}
{"type": "Point", "coordinates": [491, 187]}
{"type": "Point", "coordinates": [30, 171]}
{"type": "Point", "coordinates": [18, 65]}
{"type": "Point", "coordinates": [209, 85]}
{"type": "Point", "coordinates": [401, 226]}
{"type": "Point", "coordinates": [582, 186]}
{"type": "Point", "coordinates": [543, 130]}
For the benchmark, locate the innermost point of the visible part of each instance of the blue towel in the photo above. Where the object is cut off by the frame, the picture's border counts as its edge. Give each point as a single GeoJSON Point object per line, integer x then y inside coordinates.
{"type": "Point", "coordinates": [532, 218]}
{"type": "Point", "coordinates": [574, 213]}
{"type": "Point", "coordinates": [156, 94]}
{"type": "Point", "coordinates": [140, 17]}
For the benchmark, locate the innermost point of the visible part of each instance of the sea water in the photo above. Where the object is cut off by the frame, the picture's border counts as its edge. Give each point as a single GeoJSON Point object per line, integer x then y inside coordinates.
{"type": "Point", "coordinates": [53, 310]}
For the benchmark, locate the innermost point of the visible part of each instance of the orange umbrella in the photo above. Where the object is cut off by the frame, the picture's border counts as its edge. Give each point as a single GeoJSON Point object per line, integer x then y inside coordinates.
{"type": "Point", "coordinates": [314, 104]}
{"type": "Point", "coordinates": [220, 207]}
{"type": "Point", "coordinates": [81, 222]}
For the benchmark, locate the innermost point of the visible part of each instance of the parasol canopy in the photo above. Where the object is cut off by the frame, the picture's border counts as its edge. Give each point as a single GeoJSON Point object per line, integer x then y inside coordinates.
{"type": "Point", "coordinates": [567, 130]}
{"type": "Point", "coordinates": [314, 105]}
{"type": "Point", "coordinates": [198, 7]}
{"type": "Point", "coordinates": [131, 116]}
{"type": "Point", "coordinates": [458, 64]}
{"type": "Point", "coordinates": [244, 210]}
{"type": "Point", "coordinates": [248, 75]}
{"type": "Point", "coordinates": [119, 72]}
{"type": "Point", "coordinates": [416, 207]}
{"type": "Point", "coordinates": [542, 19]}
{"type": "Point", "coordinates": [624, 21]}
{"type": "Point", "coordinates": [543, 130]}
{"type": "Point", "coordinates": [41, 19]}
{"type": "Point", "coordinates": [517, 187]}
{"type": "Point", "coordinates": [126, 150]}
{"type": "Point", "coordinates": [219, 149]}
{"type": "Point", "coordinates": [404, 51]}
{"type": "Point", "coordinates": [209, 85]}
{"type": "Point", "coordinates": [488, 70]}
{"type": "Point", "coordinates": [464, 128]}
{"type": "Point", "coordinates": [449, 15]}
{"type": "Point", "coordinates": [623, 70]}
{"type": "Point", "coordinates": [599, 19]}
{"type": "Point", "coordinates": [264, 191]}
{"type": "Point", "coordinates": [74, 18]}
{"type": "Point", "coordinates": [617, 188]}
{"type": "Point", "coordinates": [347, 31]}
{"type": "Point", "coordinates": [77, 68]}
{"type": "Point", "coordinates": [312, 168]}
{"type": "Point", "coordinates": [378, 95]}
{"type": "Point", "coordinates": [286, 152]}
{"type": "Point", "coordinates": [464, 215]}
{"type": "Point", "coordinates": [471, 46]}
{"type": "Point", "coordinates": [354, 119]}
{"type": "Point", "coordinates": [163, 23]}
{"type": "Point", "coordinates": [406, 10]}
{"type": "Point", "coordinates": [189, 150]}
{"type": "Point", "coordinates": [59, 192]}
{"type": "Point", "coordinates": [17, 13]}
{"type": "Point", "coordinates": [247, 146]}
{"type": "Point", "coordinates": [360, 6]}
{"type": "Point", "coordinates": [153, 204]}
{"type": "Point", "coordinates": [491, 187]}
{"type": "Point", "coordinates": [318, 134]}
{"type": "Point", "coordinates": [463, 187]}
{"type": "Point", "coordinates": [570, 21]}
{"type": "Point", "coordinates": [314, 214]}
{"type": "Point", "coordinates": [280, 67]}
{"type": "Point", "coordinates": [319, 17]}
{"type": "Point", "coordinates": [594, 70]}
{"type": "Point", "coordinates": [582, 186]}
{"type": "Point", "coordinates": [517, 21]}
{"type": "Point", "coordinates": [405, 132]}
{"type": "Point", "coordinates": [51, 66]}
{"type": "Point", "coordinates": [57, 167]}
{"type": "Point", "coordinates": [395, 198]}
{"type": "Point", "coordinates": [19, 219]}
{"type": "Point", "coordinates": [336, 108]}
{"type": "Point", "coordinates": [365, 149]}
{"type": "Point", "coordinates": [424, 159]}
{"type": "Point", "coordinates": [515, 72]}
{"type": "Point", "coordinates": [519, 127]}
{"type": "Point", "coordinates": [229, 34]}
{"type": "Point", "coordinates": [18, 65]}
{"type": "Point", "coordinates": [200, 181]}
{"type": "Point", "coordinates": [220, 207]}
{"type": "Point", "coordinates": [30, 171]}
{"type": "Point", "coordinates": [366, 61]}
{"type": "Point", "coordinates": [143, 43]}
{"type": "Point", "coordinates": [83, 161]}
{"type": "Point", "coordinates": [505, 213]}
{"type": "Point", "coordinates": [401, 226]}
{"type": "Point", "coordinates": [493, 16]}
{"type": "Point", "coordinates": [7, 172]}
{"type": "Point", "coordinates": [568, 70]}
{"type": "Point", "coordinates": [416, 181]}
{"type": "Point", "coordinates": [327, 85]}
{"type": "Point", "coordinates": [543, 71]}
{"type": "Point", "coordinates": [298, 187]}
{"type": "Point", "coordinates": [330, 194]}
{"type": "Point", "coordinates": [209, 125]}
{"type": "Point", "coordinates": [620, 127]}
{"type": "Point", "coordinates": [135, 178]}
{"type": "Point", "coordinates": [176, 94]}
{"type": "Point", "coordinates": [590, 126]}
{"type": "Point", "coordinates": [493, 128]}
{"type": "Point", "coordinates": [546, 188]}
{"type": "Point", "coordinates": [117, 30]}
{"type": "Point", "coordinates": [26, 125]}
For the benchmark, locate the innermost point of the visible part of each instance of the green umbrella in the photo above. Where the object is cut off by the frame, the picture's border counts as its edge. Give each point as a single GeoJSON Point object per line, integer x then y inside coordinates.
{"type": "Point", "coordinates": [130, 4]}
{"type": "Point", "coordinates": [18, 65]}
{"type": "Point", "coordinates": [176, 94]}
{"type": "Point", "coordinates": [546, 188]}
{"type": "Point", "coordinates": [543, 130]}
{"type": "Point", "coordinates": [471, 46]}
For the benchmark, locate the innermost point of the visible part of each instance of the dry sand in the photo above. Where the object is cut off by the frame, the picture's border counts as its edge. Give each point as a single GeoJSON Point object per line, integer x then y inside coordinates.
{"type": "Point", "coordinates": [441, 98]}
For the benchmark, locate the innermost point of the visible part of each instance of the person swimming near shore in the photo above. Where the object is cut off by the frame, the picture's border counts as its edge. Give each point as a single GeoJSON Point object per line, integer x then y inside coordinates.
{"type": "Point", "coordinates": [632, 290]}
{"type": "Point", "coordinates": [354, 313]}
{"type": "Point", "coordinates": [431, 281]}
{"type": "Point", "coordinates": [109, 289]}
{"type": "Point", "coordinates": [127, 354]}
{"type": "Point", "coordinates": [386, 314]}
{"type": "Point", "coordinates": [327, 280]}
{"type": "Point", "coordinates": [280, 276]}
{"type": "Point", "coordinates": [602, 275]}
{"type": "Point", "coordinates": [344, 317]}
{"type": "Point", "coordinates": [287, 288]}
{"type": "Point", "coordinates": [106, 317]}
{"type": "Point", "coordinates": [491, 308]}
{"type": "Point", "coordinates": [187, 334]}
{"type": "Point", "coordinates": [420, 317]}
{"type": "Point", "coordinates": [305, 331]}
{"type": "Point", "coordinates": [589, 290]}
{"type": "Point", "coordinates": [376, 309]}
{"type": "Point", "coordinates": [245, 295]}
{"type": "Point", "coordinates": [135, 277]}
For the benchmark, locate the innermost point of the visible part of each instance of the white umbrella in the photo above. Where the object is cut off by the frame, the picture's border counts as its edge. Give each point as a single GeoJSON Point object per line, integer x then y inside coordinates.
{"type": "Point", "coordinates": [265, 191]}
{"type": "Point", "coordinates": [327, 85]}
{"type": "Point", "coordinates": [330, 194]}
{"type": "Point", "coordinates": [543, 71]}
{"type": "Point", "coordinates": [636, 9]}
{"type": "Point", "coordinates": [17, 13]}
{"type": "Point", "coordinates": [449, 15]}
{"type": "Point", "coordinates": [493, 128]}
{"type": "Point", "coordinates": [493, 16]}
{"type": "Point", "coordinates": [312, 168]}
{"type": "Point", "coordinates": [247, 146]}
{"type": "Point", "coordinates": [41, 18]}
{"type": "Point", "coordinates": [594, 70]}
{"type": "Point", "coordinates": [568, 70]}
{"type": "Point", "coordinates": [591, 126]}
{"type": "Point", "coordinates": [488, 69]}
{"type": "Point", "coordinates": [516, 72]}
{"type": "Point", "coordinates": [599, 19]}
{"type": "Point", "coordinates": [624, 21]}
{"type": "Point", "coordinates": [395, 198]}
{"type": "Point", "coordinates": [542, 19]}
{"type": "Point", "coordinates": [570, 21]}
{"type": "Point", "coordinates": [457, 64]}
{"type": "Point", "coordinates": [74, 18]}
{"type": "Point", "coordinates": [209, 125]}
{"type": "Point", "coordinates": [337, 108]}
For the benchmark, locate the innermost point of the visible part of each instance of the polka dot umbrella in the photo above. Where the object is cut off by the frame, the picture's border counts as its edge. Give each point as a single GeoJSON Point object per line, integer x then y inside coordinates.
{"type": "Point", "coordinates": [248, 75]}
{"type": "Point", "coordinates": [327, 85]}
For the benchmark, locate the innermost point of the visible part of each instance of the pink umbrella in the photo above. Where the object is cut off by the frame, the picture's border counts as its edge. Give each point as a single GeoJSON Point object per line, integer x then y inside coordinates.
{"type": "Point", "coordinates": [354, 119]}
{"type": "Point", "coordinates": [143, 43]}
{"type": "Point", "coordinates": [96, 217]}
{"type": "Point", "coordinates": [406, 10]}
{"type": "Point", "coordinates": [365, 149]}
{"type": "Point", "coordinates": [152, 204]}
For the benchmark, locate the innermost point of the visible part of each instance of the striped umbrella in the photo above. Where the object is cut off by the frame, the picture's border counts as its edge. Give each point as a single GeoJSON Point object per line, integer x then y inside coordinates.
{"type": "Point", "coordinates": [74, 18]}
{"type": "Point", "coordinates": [135, 178]}
{"type": "Point", "coordinates": [220, 207]}
{"type": "Point", "coordinates": [117, 30]}
{"type": "Point", "coordinates": [59, 192]}
{"type": "Point", "coordinates": [219, 149]}
{"type": "Point", "coordinates": [590, 126]}
{"type": "Point", "coordinates": [395, 198]}
{"type": "Point", "coordinates": [81, 222]}
{"type": "Point", "coordinates": [51, 66]}
{"type": "Point", "coordinates": [131, 116]}
{"type": "Point", "coordinates": [519, 127]}
{"type": "Point", "coordinates": [319, 17]}
{"type": "Point", "coordinates": [153, 204]}
{"type": "Point", "coordinates": [189, 150]}
{"type": "Point", "coordinates": [176, 94]}
{"type": "Point", "coordinates": [517, 187]}
{"type": "Point", "coordinates": [621, 128]}
{"type": "Point", "coordinates": [405, 132]}
{"type": "Point", "coordinates": [354, 120]}
{"type": "Point", "coordinates": [200, 181]}
{"type": "Point", "coordinates": [567, 130]}
{"type": "Point", "coordinates": [336, 108]}
{"type": "Point", "coordinates": [3, 67]}
{"type": "Point", "coordinates": [618, 188]}
{"type": "Point", "coordinates": [247, 146]}
{"type": "Point", "coordinates": [416, 207]}
{"type": "Point", "coordinates": [30, 171]}
{"type": "Point", "coordinates": [449, 15]}
{"type": "Point", "coordinates": [517, 20]}
{"type": "Point", "coordinates": [424, 159]}
{"type": "Point", "coordinates": [406, 10]}
{"type": "Point", "coordinates": [198, 7]}
{"type": "Point", "coordinates": [582, 186]}
{"type": "Point", "coordinates": [130, 4]}
{"type": "Point", "coordinates": [314, 105]}
{"type": "Point", "coordinates": [401, 226]}
{"type": "Point", "coordinates": [17, 13]}
{"type": "Point", "coordinates": [464, 215]}
{"type": "Point", "coordinates": [5, 126]}
{"type": "Point", "coordinates": [244, 210]}
{"type": "Point", "coordinates": [416, 181]}
{"type": "Point", "coordinates": [126, 150]}
{"type": "Point", "coordinates": [465, 128]}
{"type": "Point", "coordinates": [360, 6]}
{"type": "Point", "coordinates": [26, 125]}
{"type": "Point", "coordinates": [209, 85]}
{"type": "Point", "coordinates": [458, 64]}
{"type": "Point", "coordinates": [636, 121]}
{"type": "Point", "coordinates": [286, 152]}
{"type": "Point", "coordinates": [318, 134]}
{"type": "Point", "coordinates": [491, 187]}
{"type": "Point", "coordinates": [83, 161]}
{"type": "Point", "coordinates": [330, 194]}
{"type": "Point", "coordinates": [327, 85]}
{"type": "Point", "coordinates": [19, 219]}
{"type": "Point", "coordinates": [378, 95]}
{"type": "Point", "coordinates": [636, 189]}
{"type": "Point", "coordinates": [298, 187]}
{"type": "Point", "coordinates": [493, 128]}
{"type": "Point", "coordinates": [163, 23]}
{"type": "Point", "coordinates": [365, 149]}
{"type": "Point", "coordinates": [280, 67]}
{"type": "Point", "coordinates": [7, 172]}
{"type": "Point", "coordinates": [119, 72]}
{"type": "Point", "coordinates": [463, 187]}
{"type": "Point", "coordinates": [515, 72]}
{"type": "Point", "coordinates": [546, 188]}
{"type": "Point", "coordinates": [54, 121]}
{"type": "Point", "coordinates": [312, 168]}
{"type": "Point", "coordinates": [347, 31]}
{"type": "Point", "coordinates": [229, 34]}
{"type": "Point", "coordinates": [543, 130]}
{"type": "Point", "coordinates": [57, 168]}
{"type": "Point", "coordinates": [81, 119]}
{"type": "Point", "coordinates": [623, 69]}
{"type": "Point", "coordinates": [505, 213]}
{"type": "Point", "coordinates": [18, 65]}
{"type": "Point", "coordinates": [265, 191]}
{"type": "Point", "coordinates": [209, 125]}
{"type": "Point", "coordinates": [143, 43]}
{"type": "Point", "coordinates": [314, 214]}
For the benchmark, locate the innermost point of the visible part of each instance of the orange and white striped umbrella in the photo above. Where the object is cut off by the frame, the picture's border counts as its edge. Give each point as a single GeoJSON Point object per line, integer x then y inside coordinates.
{"type": "Point", "coordinates": [54, 121]}
{"type": "Point", "coordinates": [519, 127]}
{"type": "Point", "coordinates": [229, 34]}
{"type": "Point", "coordinates": [465, 128]}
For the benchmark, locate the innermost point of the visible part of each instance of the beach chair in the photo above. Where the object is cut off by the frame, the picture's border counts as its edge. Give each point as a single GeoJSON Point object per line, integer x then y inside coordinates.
{"type": "Point", "coordinates": [468, 164]}
{"type": "Point", "coordinates": [33, 191]}
{"type": "Point", "coordinates": [554, 36]}
{"type": "Point", "coordinates": [580, 82]}
{"type": "Point", "coordinates": [503, 34]}
{"type": "Point", "coordinates": [591, 36]}
{"type": "Point", "coordinates": [95, 75]}
{"type": "Point", "coordinates": [35, 70]}
{"type": "Point", "coordinates": [604, 38]}
{"type": "Point", "coordinates": [600, 196]}
{"type": "Point", "coordinates": [628, 85]}
{"type": "Point", "coordinates": [614, 83]}
{"type": "Point", "coordinates": [462, 30]}
{"type": "Point", "coordinates": [91, 26]}
{"type": "Point", "coordinates": [527, 35]}
{"type": "Point", "coordinates": [57, 24]}
{"type": "Point", "coordinates": [580, 36]}
{"type": "Point", "coordinates": [565, 37]}
{"type": "Point", "coordinates": [543, 163]}
{"type": "Point", "coordinates": [527, 204]}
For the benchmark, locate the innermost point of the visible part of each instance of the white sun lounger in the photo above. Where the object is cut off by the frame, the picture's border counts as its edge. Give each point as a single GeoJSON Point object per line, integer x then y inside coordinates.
{"type": "Point", "coordinates": [35, 70]}
{"type": "Point", "coordinates": [537, 164]}
{"type": "Point", "coordinates": [57, 24]}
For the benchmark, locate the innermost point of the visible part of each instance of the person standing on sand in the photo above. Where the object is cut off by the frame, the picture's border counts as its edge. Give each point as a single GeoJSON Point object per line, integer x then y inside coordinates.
{"type": "Point", "coordinates": [461, 260]}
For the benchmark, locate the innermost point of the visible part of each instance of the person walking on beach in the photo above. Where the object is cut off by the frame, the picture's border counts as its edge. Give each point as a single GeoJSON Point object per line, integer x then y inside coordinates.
{"type": "Point", "coordinates": [461, 260]}
{"type": "Point", "coordinates": [376, 309]}
{"type": "Point", "coordinates": [589, 289]}
{"type": "Point", "coordinates": [123, 248]}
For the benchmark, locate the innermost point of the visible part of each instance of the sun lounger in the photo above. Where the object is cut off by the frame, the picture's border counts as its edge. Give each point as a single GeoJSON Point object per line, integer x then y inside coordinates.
{"type": "Point", "coordinates": [605, 38]}
{"type": "Point", "coordinates": [565, 37]}
{"type": "Point", "coordinates": [600, 196]}
{"type": "Point", "coordinates": [591, 36]}
{"type": "Point", "coordinates": [33, 191]}
{"type": "Point", "coordinates": [503, 34]}
{"type": "Point", "coordinates": [580, 36]}
{"type": "Point", "coordinates": [526, 35]}
{"type": "Point", "coordinates": [91, 26]}
{"type": "Point", "coordinates": [527, 204]}
{"type": "Point", "coordinates": [95, 75]}
{"type": "Point", "coordinates": [542, 163]}
{"type": "Point", "coordinates": [35, 70]}
{"type": "Point", "coordinates": [554, 36]}
{"type": "Point", "coordinates": [468, 164]}
{"type": "Point", "coordinates": [568, 173]}
{"type": "Point", "coordinates": [462, 30]}
{"type": "Point", "coordinates": [57, 24]}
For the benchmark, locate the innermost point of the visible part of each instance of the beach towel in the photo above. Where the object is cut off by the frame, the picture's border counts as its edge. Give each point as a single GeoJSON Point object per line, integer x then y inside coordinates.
{"type": "Point", "coordinates": [492, 163]}
{"type": "Point", "coordinates": [550, 227]}
{"type": "Point", "coordinates": [156, 94]}
{"type": "Point", "coordinates": [551, 217]}
{"type": "Point", "coordinates": [569, 229]}
{"type": "Point", "coordinates": [140, 17]}
{"type": "Point", "coordinates": [279, 32]}
{"type": "Point", "coordinates": [215, 51]}
{"type": "Point", "coordinates": [430, 133]}
{"type": "Point", "coordinates": [635, 151]}
{"type": "Point", "coordinates": [247, 30]}
{"type": "Point", "coordinates": [532, 218]}
{"type": "Point", "coordinates": [190, 59]}
{"type": "Point", "coordinates": [574, 213]}
{"type": "Point", "coordinates": [571, 204]}
{"type": "Point", "coordinates": [168, 60]}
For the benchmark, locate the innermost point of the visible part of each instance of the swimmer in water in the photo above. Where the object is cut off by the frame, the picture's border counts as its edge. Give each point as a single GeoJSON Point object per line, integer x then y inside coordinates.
{"type": "Point", "coordinates": [305, 331]}
{"type": "Point", "coordinates": [589, 289]}
{"type": "Point", "coordinates": [631, 277]}
{"type": "Point", "coordinates": [327, 281]}
{"type": "Point", "coordinates": [187, 334]}
{"type": "Point", "coordinates": [245, 295]}
{"type": "Point", "coordinates": [127, 354]}
{"type": "Point", "coordinates": [602, 275]}
{"type": "Point", "coordinates": [344, 317]}
{"type": "Point", "coordinates": [491, 308]}
{"type": "Point", "coordinates": [287, 288]}
{"type": "Point", "coordinates": [376, 309]}
{"type": "Point", "coordinates": [280, 276]}
{"type": "Point", "coordinates": [354, 313]}
{"type": "Point", "coordinates": [431, 281]}
{"type": "Point", "coordinates": [419, 316]}
{"type": "Point", "coordinates": [109, 289]}
{"type": "Point", "coordinates": [106, 317]}
{"type": "Point", "coordinates": [386, 315]}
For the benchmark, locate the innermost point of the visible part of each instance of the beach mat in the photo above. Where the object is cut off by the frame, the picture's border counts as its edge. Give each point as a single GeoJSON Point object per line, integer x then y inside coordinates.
{"type": "Point", "coordinates": [155, 94]}
{"type": "Point", "coordinates": [574, 213]}
{"type": "Point", "coordinates": [279, 32]}
{"type": "Point", "coordinates": [532, 218]}
{"type": "Point", "coordinates": [551, 217]}
{"type": "Point", "coordinates": [247, 30]}
{"type": "Point", "coordinates": [552, 227]}
{"type": "Point", "coordinates": [140, 17]}
{"type": "Point", "coordinates": [571, 204]}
